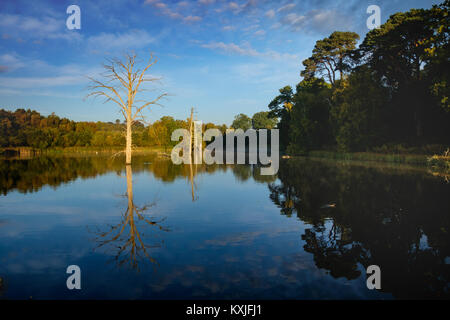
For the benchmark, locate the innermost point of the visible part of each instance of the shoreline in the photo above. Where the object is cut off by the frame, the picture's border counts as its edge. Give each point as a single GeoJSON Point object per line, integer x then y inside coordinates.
{"type": "Point", "coordinates": [441, 162]}
{"type": "Point", "coordinates": [82, 151]}
{"type": "Point", "coordinates": [421, 160]}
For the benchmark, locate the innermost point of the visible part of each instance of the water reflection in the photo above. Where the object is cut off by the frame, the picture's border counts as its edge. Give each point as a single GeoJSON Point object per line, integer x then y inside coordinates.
{"type": "Point", "coordinates": [192, 173]}
{"type": "Point", "coordinates": [2, 286]}
{"type": "Point", "coordinates": [128, 238]}
{"type": "Point", "coordinates": [227, 238]}
{"type": "Point", "coordinates": [33, 174]}
{"type": "Point", "coordinates": [395, 219]}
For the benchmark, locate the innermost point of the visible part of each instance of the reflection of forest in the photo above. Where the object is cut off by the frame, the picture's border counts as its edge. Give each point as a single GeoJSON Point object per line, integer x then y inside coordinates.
{"type": "Point", "coordinates": [395, 219]}
{"type": "Point", "coordinates": [2, 286]}
{"type": "Point", "coordinates": [32, 174]}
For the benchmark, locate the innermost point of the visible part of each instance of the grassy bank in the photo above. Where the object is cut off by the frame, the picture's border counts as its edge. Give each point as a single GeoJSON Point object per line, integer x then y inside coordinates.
{"type": "Point", "coordinates": [437, 165]}
{"type": "Point", "coordinates": [441, 162]}
{"type": "Point", "coordinates": [88, 151]}
{"type": "Point", "coordinates": [100, 151]}
{"type": "Point", "coordinates": [371, 156]}
{"type": "Point", "coordinates": [437, 162]}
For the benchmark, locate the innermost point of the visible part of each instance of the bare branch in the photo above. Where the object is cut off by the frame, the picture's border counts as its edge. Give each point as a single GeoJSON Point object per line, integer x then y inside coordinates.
{"type": "Point", "coordinates": [151, 62]}
{"type": "Point", "coordinates": [149, 103]}
{"type": "Point", "coordinates": [99, 85]}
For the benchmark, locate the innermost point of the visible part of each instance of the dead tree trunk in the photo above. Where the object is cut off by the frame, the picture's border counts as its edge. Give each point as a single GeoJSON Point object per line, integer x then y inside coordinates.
{"type": "Point", "coordinates": [128, 141]}
{"type": "Point", "coordinates": [191, 133]}
{"type": "Point", "coordinates": [123, 81]}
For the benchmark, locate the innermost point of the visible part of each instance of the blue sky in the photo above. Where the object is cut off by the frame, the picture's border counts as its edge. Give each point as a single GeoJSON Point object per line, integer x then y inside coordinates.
{"type": "Point", "coordinates": [222, 57]}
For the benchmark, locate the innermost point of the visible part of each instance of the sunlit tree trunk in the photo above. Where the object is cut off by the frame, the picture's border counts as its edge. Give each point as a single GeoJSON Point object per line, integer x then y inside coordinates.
{"type": "Point", "coordinates": [128, 142]}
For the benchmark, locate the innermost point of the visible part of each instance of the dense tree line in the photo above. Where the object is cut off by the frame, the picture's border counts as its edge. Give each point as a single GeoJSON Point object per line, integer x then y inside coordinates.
{"type": "Point", "coordinates": [29, 128]}
{"type": "Point", "coordinates": [260, 120]}
{"type": "Point", "coordinates": [390, 91]}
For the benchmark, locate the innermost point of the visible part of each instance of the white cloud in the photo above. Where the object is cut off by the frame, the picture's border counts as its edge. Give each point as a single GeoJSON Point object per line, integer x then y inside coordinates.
{"type": "Point", "coordinates": [265, 73]}
{"type": "Point", "coordinates": [233, 6]}
{"type": "Point", "coordinates": [9, 92]}
{"type": "Point", "coordinates": [251, 27]}
{"type": "Point", "coordinates": [175, 14]}
{"type": "Point", "coordinates": [46, 27]}
{"type": "Point", "coordinates": [238, 8]}
{"type": "Point", "coordinates": [322, 21]}
{"type": "Point", "coordinates": [33, 82]}
{"type": "Point", "coordinates": [328, 20]}
{"type": "Point", "coordinates": [131, 39]}
{"type": "Point", "coordinates": [286, 57]}
{"type": "Point", "coordinates": [9, 62]}
{"type": "Point", "coordinates": [229, 28]}
{"type": "Point", "coordinates": [260, 33]}
{"type": "Point", "coordinates": [244, 50]}
{"type": "Point", "coordinates": [40, 74]}
{"type": "Point", "coordinates": [192, 18]}
{"type": "Point", "coordinates": [286, 7]}
{"type": "Point", "coordinates": [206, 2]}
{"type": "Point", "coordinates": [294, 20]}
{"type": "Point", "coordinates": [276, 25]}
{"type": "Point", "coordinates": [270, 13]}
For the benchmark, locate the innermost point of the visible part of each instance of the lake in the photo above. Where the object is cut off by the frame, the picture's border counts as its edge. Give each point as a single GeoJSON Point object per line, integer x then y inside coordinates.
{"type": "Point", "coordinates": [160, 231]}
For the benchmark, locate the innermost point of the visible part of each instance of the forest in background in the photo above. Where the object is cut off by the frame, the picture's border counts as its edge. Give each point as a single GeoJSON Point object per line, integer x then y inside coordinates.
{"type": "Point", "coordinates": [30, 128]}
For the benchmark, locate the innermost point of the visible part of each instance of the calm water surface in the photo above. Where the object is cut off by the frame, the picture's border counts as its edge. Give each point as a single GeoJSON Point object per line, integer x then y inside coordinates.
{"type": "Point", "coordinates": [160, 231]}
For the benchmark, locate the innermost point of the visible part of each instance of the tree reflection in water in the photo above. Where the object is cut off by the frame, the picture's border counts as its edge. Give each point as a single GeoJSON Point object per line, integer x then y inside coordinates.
{"type": "Point", "coordinates": [192, 173]}
{"type": "Point", "coordinates": [394, 218]}
{"type": "Point", "coordinates": [33, 174]}
{"type": "Point", "coordinates": [127, 238]}
{"type": "Point", "coordinates": [2, 286]}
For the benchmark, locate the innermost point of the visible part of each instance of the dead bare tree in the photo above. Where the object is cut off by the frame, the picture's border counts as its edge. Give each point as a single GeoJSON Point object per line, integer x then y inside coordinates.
{"type": "Point", "coordinates": [123, 81]}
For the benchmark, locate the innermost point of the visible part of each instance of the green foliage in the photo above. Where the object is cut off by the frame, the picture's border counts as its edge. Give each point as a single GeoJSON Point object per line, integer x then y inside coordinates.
{"type": "Point", "coordinates": [392, 90]}
{"type": "Point", "coordinates": [438, 53]}
{"type": "Point", "coordinates": [410, 53]}
{"type": "Point", "coordinates": [262, 120]}
{"type": "Point", "coordinates": [29, 128]}
{"type": "Point", "coordinates": [242, 121]}
{"type": "Point", "coordinates": [281, 107]}
{"type": "Point", "coordinates": [359, 107]}
{"type": "Point", "coordinates": [282, 103]}
{"type": "Point", "coordinates": [330, 55]}
{"type": "Point", "coordinates": [310, 126]}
